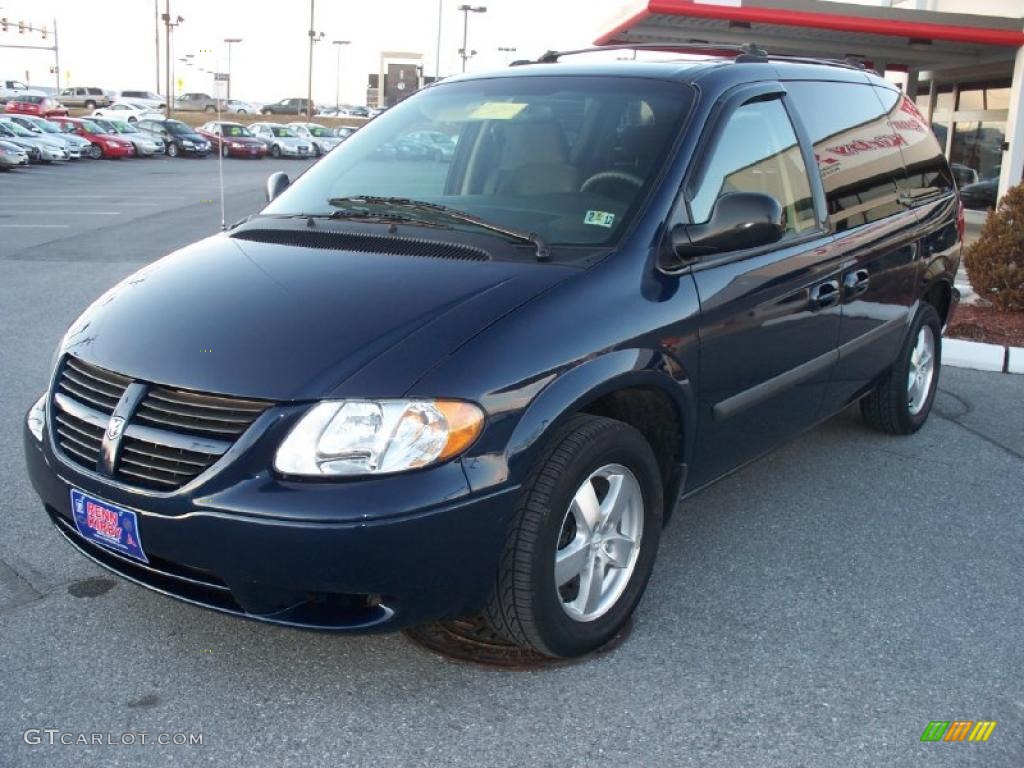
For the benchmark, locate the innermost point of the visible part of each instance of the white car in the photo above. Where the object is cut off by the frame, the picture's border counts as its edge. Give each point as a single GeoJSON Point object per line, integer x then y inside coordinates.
{"type": "Point", "coordinates": [149, 99]}
{"type": "Point", "coordinates": [237, 107]}
{"type": "Point", "coordinates": [319, 136]}
{"type": "Point", "coordinates": [128, 111]}
{"type": "Point", "coordinates": [76, 146]}
{"type": "Point", "coordinates": [51, 149]}
{"type": "Point", "coordinates": [281, 141]}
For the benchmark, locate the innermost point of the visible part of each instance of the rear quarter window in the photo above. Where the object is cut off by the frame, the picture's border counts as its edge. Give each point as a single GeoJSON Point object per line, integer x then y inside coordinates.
{"type": "Point", "coordinates": [928, 173]}
{"type": "Point", "coordinates": [856, 149]}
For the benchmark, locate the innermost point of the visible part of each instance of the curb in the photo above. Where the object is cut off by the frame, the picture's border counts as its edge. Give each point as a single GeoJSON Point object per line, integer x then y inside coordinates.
{"type": "Point", "coordinates": [960, 353]}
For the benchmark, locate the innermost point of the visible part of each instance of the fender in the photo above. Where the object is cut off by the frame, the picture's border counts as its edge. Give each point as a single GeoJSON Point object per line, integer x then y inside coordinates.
{"type": "Point", "coordinates": [570, 392]}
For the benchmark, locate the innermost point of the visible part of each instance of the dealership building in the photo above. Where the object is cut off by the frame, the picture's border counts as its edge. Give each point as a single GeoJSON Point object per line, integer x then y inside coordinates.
{"type": "Point", "coordinates": [961, 61]}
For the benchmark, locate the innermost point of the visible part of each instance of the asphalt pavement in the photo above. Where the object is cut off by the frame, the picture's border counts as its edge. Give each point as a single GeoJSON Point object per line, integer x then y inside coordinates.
{"type": "Point", "coordinates": [818, 608]}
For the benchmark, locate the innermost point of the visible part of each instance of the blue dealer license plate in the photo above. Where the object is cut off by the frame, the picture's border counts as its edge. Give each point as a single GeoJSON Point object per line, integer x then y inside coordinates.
{"type": "Point", "coordinates": [107, 524]}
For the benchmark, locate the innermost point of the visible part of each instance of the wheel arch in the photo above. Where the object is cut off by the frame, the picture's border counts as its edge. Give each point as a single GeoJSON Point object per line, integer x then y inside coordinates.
{"type": "Point", "coordinates": [939, 293]}
{"type": "Point", "coordinates": [641, 387]}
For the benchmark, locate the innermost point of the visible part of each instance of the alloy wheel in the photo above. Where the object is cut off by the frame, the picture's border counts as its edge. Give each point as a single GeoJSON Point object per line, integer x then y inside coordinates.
{"type": "Point", "coordinates": [599, 543]}
{"type": "Point", "coordinates": [921, 371]}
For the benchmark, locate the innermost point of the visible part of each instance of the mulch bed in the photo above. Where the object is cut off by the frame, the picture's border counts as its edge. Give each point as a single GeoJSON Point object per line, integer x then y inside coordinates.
{"type": "Point", "coordinates": [977, 323]}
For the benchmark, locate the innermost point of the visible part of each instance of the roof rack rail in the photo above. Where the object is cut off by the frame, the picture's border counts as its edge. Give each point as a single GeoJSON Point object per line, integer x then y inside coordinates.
{"type": "Point", "coordinates": [747, 52]}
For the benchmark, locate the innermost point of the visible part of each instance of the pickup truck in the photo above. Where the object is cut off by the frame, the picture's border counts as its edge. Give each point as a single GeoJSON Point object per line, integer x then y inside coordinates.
{"type": "Point", "coordinates": [195, 102]}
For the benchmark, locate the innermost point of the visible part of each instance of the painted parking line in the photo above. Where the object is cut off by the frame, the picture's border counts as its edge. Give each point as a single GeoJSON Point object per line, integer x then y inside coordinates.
{"type": "Point", "coordinates": [58, 214]}
{"type": "Point", "coordinates": [34, 226]}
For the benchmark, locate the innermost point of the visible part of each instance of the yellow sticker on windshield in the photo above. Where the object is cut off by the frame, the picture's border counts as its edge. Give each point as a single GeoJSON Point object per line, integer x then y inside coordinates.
{"type": "Point", "coordinates": [599, 218]}
{"type": "Point", "coordinates": [497, 110]}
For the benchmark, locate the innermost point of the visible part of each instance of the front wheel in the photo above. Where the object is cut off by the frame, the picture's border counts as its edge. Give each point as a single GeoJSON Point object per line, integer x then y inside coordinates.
{"type": "Point", "coordinates": [275, 151]}
{"type": "Point", "coordinates": [210, 109]}
{"type": "Point", "coordinates": [582, 541]}
{"type": "Point", "coordinates": [901, 402]}
{"type": "Point", "coordinates": [172, 149]}
{"type": "Point", "coordinates": [224, 150]}
{"type": "Point", "coordinates": [95, 151]}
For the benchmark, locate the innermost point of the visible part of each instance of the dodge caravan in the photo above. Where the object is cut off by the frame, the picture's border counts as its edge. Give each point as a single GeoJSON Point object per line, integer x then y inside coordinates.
{"type": "Point", "coordinates": [479, 382]}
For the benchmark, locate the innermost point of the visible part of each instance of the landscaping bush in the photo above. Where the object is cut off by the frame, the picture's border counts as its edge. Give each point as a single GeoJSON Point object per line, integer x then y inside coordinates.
{"type": "Point", "coordinates": [995, 263]}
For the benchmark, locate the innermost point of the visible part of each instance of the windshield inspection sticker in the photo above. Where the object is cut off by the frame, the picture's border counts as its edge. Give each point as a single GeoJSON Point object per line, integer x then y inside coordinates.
{"type": "Point", "coordinates": [599, 218]}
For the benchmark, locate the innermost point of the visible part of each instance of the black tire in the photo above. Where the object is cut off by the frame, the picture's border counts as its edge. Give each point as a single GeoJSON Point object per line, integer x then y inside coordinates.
{"type": "Point", "coordinates": [90, 104]}
{"type": "Point", "coordinates": [525, 606]}
{"type": "Point", "coordinates": [224, 150]}
{"type": "Point", "coordinates": [275, 151]}
{"type": "Point", "coordinates": [95, 151]}
{"type": "Point", "coordinates": [266, 112]}
{"type": "Point", "coordinates": [210, 108]}
{"type": "Point", "coordinates": [316, 150]}
{"type": "Point", "coordinates": [172, 150]}
{"type": "Point", "coordinates": [887, 407]}
{"type": "Point", "coordinates": [133, 119]}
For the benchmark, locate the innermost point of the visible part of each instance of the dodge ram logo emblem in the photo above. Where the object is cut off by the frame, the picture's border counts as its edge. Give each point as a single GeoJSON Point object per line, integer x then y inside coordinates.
{"type": "Point", "coordinates": [114, 428]}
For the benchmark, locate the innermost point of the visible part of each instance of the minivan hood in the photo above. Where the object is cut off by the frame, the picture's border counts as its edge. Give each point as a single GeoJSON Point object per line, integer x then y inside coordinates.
{"type": "Point", "coordinates": [281, 322]}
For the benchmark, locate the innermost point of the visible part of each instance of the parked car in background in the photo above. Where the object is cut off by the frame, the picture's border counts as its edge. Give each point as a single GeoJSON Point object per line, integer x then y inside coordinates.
{"type": "Point", "coordinates": [9, 88]}
{"type": "Point", "coordinates": [286, 107]}
{"type": "Point", "coordinates": [237, 107]}
{"type": "Point", "coordinates": [29, 147]}
{"type": "Point", "coordinates": [963, 174]}
{"type": "Point", "coordinates": [980, 196]}
{"type": "Point", "coordinates": [11, 155]}
{"type": "Point", "coordinates": [376, 111]}
{"type": "Point", "coordinates": [232, 139]}
{"type": "Point", "coordinates": [146, 144]}
{"type": "Point", "coordinates": [76, 146]}
{"type": "Point", "coordinates": [148, 98]}
{"type": "Point", "coordinates": [439, 145]}
{"type": "Point", "coordinates": [319, 136]}
{"type": "Point", "coordinates": [50, 149]}
{"type": "Point", "coordinates": [85, 97]}
{"type": "Point", "coordinates": [104, 142]}
{"type": "Point", "coordinates": [31, 104]}
{"type": "Point", "coordinates": [129, 111]}
{"type": "Point", "coordinates": [350, 110]}
{"type": "Point", "coordinates": [180, 138]}
{"type": "Point", "coordinates": [344, 131]}
{"type": "Point", "coordinates": [195, 102]}
{"type": "Point", "coordinates": [281, 141]}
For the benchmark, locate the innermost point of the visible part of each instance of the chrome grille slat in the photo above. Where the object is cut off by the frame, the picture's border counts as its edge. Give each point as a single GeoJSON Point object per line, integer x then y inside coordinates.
{"type": "Point", "coordinates": [173, 435]}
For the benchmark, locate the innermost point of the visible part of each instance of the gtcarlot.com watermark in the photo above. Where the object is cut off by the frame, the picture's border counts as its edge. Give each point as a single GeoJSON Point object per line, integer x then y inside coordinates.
{"type": "Point", "coordinates": [53, 736]}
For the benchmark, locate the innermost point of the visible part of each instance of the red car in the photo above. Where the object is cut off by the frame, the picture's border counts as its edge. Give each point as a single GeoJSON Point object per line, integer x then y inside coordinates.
{"type": "Point", "coordinates": [232, 139]}
{"type": "Point", "coordinates": [40, 106]}
{"type": "Point", "coordinates": [104, 144]}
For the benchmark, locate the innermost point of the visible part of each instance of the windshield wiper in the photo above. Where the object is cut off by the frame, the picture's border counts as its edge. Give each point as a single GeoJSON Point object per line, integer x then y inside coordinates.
{"type": "Point", "coordinates": [543, 250]}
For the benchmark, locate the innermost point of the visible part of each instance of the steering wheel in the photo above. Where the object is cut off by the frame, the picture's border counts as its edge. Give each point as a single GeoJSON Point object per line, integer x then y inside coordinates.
{"type": "Point", "coordinates": [611, 176]}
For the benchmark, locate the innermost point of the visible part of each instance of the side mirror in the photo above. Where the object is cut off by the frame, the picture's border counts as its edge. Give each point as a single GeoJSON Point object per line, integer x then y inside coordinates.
{"type": "Point", "coordinates": [276, 184]}
{"type": "Point", "coordinates": [738, 221]}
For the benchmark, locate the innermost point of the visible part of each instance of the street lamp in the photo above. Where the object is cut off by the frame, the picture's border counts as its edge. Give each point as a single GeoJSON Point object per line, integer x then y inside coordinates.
{"type": "Point", "coordinates": [314, 37]}
{"type": "Point", "coordinates": [230, 41]}
{"type": "Point", "coordinates": [506, 51]}
{"type": "Point", "coordinates": [466, 10]}
{"type": "Point", "coordinates": [168, 26]}
{"type": "Point", "coordinates": [337, 73]}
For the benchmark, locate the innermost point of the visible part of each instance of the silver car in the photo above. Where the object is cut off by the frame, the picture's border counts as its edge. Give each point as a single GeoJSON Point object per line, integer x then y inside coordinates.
{"type": "Point", "coordinates": [76, 146]}
{"type": "Point", "coordinates": [50, 149]}
{"type": "Point", "coordinates": [146, 144]}
{"type": "Point", "coordinates": [11, 156]}
{"type": "Point", "coordinates": [320, 137]}
{"type": "Point", "coordinates": [281, 141]}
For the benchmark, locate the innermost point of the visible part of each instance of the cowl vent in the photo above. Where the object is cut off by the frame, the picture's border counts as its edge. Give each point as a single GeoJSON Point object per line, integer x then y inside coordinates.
{"type": "Point", "coordinates": [350, 241]}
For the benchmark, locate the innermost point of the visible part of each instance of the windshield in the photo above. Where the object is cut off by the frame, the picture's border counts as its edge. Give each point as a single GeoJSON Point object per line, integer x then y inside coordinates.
{"type": "Point", "coordinates": [234, 131]}
{"type": "Point", "coordinates": [282, 132]}
{"type": "Point", "coordinates": [568, 158]}
{"type": "Point", "coordinates": [16, 129]}
{"type": "Point", "coordinates": [91, 127]}
{"type": "Point", "coordinates": [43, 125]}
{"type": "Point", "coordinates": [317, 130]}
{"type": "Point", "coordinates": [178, 129]}
{"type": "Point", "coordinates": [123, 127]}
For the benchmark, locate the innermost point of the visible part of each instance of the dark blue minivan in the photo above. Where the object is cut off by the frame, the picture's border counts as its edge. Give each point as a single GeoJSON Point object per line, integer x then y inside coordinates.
{"type": "Point", "coordinates": [425, 385]}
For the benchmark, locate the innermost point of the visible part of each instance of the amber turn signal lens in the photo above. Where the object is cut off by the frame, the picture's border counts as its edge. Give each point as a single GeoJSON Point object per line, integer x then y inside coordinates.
{"type": "Point", "coordinates": [465, 422]}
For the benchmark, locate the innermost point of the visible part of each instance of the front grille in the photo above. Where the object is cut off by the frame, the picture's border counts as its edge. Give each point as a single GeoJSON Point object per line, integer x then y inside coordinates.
{"type": "Point", "coordinates": [173, 435]}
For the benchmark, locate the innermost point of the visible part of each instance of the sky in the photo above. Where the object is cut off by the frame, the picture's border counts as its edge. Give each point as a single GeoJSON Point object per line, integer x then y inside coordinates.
{"type": "Point", "coordinates": [110, 43]}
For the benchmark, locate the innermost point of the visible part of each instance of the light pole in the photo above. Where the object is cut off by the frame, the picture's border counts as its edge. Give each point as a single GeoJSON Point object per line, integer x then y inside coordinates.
{"type": "Point", "coordinates": [156, 39]}
{"type": "Point", "coordinates": [437, 61]}
{"type": "Point", "coordinates": [466, 10]}
{"type": "Point", "coordinates": [337, 73]}
{"type": "Point", "coordinates": [506, 51]}
{"type": "Point", "coordinates": [168, 26]}
{"type": "Point", "coordinates": [230, 41]}
{"type": "Point", "coordinates": [314, 37]}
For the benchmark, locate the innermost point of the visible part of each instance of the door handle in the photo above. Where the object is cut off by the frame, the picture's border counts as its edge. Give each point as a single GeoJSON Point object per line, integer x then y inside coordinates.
{"type": "Point", "coordinates": [856, 283]}
{"type": "Point", "coordinates": [825, 294]}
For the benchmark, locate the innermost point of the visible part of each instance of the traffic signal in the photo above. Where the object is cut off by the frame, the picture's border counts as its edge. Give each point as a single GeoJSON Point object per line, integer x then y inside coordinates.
{"type": "Point", "coordinates": [21, 27]}
{"type": "Point", "coordinates": [3, 24]}
{"type": "Point", "coordinates": [43, 30]}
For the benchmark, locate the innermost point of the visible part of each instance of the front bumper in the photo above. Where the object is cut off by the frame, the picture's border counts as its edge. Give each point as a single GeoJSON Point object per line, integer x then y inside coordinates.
{"type": "Point", "coordinates": [346, 556]}
{"type": "Point", "coordinates": [194, 150]}
{"type": "Point", "coordinates": [295, 152]}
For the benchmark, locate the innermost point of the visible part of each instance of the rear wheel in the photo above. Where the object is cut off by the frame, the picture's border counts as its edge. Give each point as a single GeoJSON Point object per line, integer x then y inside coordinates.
{"type": "Point", "coordinates": [210, 108]}
{"type": "Point", "coordinates": [901, 402]}
{"type": "Point", "coordinates": [95, 151]}
{"type": "Point", "coordinates": [90, 104]}
{"type": "Point", "coordinates": [582, 541]}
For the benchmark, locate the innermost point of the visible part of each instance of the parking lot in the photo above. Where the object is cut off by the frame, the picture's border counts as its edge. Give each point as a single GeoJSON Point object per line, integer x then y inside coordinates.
{"type": "Point", "coordinates": [817, 608]}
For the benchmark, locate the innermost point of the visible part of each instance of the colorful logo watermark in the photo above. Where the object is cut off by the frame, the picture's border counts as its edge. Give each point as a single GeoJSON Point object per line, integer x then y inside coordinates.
{"type": "Point", "coordinates": [958, 730]}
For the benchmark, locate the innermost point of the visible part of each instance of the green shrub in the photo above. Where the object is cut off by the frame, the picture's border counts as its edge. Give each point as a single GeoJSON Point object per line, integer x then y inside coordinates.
{"type": "Point", "coordinates": [995, 263]}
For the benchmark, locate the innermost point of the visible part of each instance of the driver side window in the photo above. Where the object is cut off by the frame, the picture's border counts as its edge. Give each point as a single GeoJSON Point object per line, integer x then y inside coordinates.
{"type": "Point", "coordinates": [758, 151]}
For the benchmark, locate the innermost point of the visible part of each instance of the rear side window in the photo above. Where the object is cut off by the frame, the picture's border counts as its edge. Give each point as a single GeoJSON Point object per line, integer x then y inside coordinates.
{"type": "Point", "coordinates": [928, 173]}
{"type": "Point", "coordinates": [758, 151]}
{"type": "Point", "coordinates": [856, 149]}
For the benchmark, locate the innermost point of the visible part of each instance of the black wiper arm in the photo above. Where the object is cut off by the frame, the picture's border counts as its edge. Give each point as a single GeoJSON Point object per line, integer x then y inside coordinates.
{"type": "Point", "coordinates": [538, 242]}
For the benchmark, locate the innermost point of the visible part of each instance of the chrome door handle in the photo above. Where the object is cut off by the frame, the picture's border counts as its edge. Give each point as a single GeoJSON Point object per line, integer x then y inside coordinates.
{"type": "Point", "coordinates": [856, 283]}
{"type": "Point", "coordinates": [825, 294]}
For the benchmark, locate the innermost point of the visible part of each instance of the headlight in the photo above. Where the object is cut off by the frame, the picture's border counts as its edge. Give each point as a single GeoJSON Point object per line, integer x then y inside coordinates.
{"type": "Point", "coordinates": [372, 437]}
{"type": "Point", "coordinates": [186, 143]}
{"type": "Point", "coordinates": [37, 417]}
